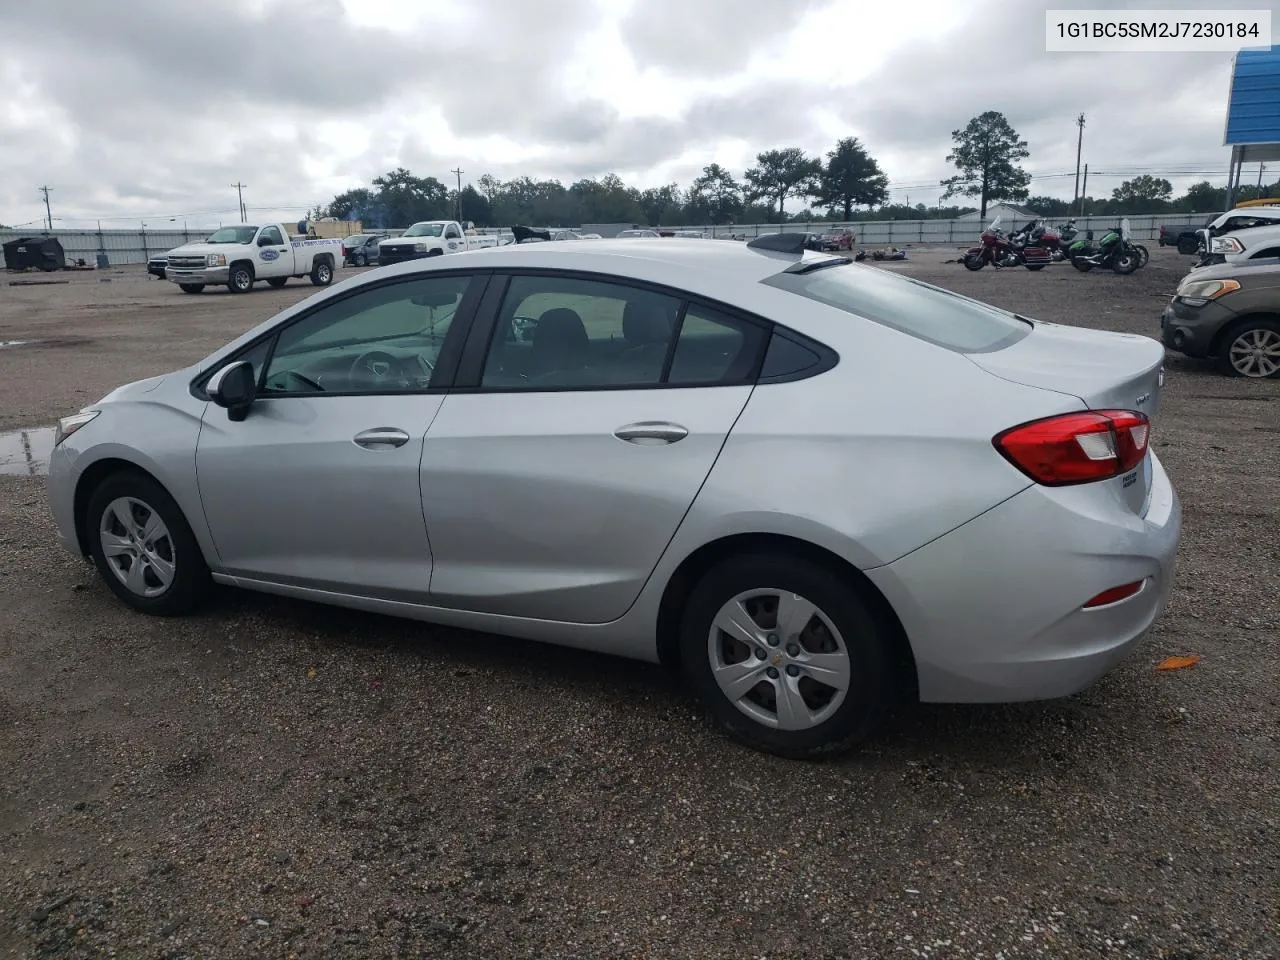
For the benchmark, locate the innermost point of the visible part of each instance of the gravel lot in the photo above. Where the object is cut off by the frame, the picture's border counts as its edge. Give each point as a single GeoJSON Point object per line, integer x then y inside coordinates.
{"type": "Point", "coordinates": [273, 778]}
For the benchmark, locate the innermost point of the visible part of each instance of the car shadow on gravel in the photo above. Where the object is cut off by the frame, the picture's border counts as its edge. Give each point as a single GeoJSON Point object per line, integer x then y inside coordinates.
{"type": "Point", "coordinates": [1011, 736]}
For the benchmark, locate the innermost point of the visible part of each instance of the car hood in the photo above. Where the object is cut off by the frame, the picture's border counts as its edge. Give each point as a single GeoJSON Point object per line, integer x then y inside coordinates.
{"type": "Point", "coordinates": [1230, 270]}
{"type": "Point", "coordinates": [130, 391]}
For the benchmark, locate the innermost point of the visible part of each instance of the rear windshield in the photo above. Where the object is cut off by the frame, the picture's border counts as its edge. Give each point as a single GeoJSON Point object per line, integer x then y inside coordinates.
{"type": "Point", "coordinates": [919, 309]}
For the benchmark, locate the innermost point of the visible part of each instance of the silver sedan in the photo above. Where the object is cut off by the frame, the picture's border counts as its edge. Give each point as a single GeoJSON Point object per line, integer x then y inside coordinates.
{"type": "Point", "coordinates": [815, 487]}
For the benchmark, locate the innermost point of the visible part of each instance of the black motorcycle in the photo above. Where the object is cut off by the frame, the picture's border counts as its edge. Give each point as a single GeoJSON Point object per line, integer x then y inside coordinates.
{"type": "Point", "coordinates": [1115, 251]}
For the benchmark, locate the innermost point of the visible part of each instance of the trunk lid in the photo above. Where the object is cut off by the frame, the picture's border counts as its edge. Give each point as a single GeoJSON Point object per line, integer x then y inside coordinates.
{"type": "Point", "coordinates": [1104, 370]}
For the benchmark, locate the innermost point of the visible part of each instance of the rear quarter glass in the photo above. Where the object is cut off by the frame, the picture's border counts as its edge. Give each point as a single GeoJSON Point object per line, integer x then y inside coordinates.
{"type": "Point", "coordinates": [918, 309]}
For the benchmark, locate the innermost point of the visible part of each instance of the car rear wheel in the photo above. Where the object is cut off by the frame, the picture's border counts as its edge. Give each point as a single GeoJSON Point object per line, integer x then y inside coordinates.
{"type": "Point", "coordinates": [1252, 349]}
{"type": "Point", "coordinates": [1188, 246]}
{"type": "Point", "coordinates": [787, 656]}
{"type": "Point", "coordinates": [143, 547]}
{"type": "Point", "coordinates": [321, 273]}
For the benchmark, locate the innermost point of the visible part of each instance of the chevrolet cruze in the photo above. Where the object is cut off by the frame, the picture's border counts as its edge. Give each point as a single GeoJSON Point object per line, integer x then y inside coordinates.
{"type": "Point", "coordinates": [816, 487]}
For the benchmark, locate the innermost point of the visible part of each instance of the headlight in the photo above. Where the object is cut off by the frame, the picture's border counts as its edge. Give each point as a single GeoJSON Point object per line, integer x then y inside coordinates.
{"type": "Point", "coordinates": [1226, 245]}
{"type": "Point", "coordinates": [420, 247]}
{"type": "Point", "coordinates": [216, 260]}
{"type": "Point", "coordinates": [1199, 292]}
{"type": "Point", "coordinates": [69, 425]}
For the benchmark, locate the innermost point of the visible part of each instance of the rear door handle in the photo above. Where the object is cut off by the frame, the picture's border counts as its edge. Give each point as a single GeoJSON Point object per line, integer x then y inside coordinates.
{"type": "Point", "coordinates": [651, 432]}
{"type": "Point", "coordinates": [381, 438]}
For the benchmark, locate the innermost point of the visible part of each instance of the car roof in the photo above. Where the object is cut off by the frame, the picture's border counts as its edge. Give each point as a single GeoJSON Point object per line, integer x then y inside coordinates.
{"type": "Point", "coordinates": [677, 261]}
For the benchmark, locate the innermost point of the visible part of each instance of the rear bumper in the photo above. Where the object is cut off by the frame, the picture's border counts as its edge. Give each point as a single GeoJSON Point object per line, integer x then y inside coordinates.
{"type": "Point", "coordinates": [994, 609]}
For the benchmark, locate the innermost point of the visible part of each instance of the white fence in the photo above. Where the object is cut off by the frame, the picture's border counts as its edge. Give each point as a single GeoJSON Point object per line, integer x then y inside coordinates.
{"type": "Point", "coordinates": [136, 246]}
{"type": "Point", "coordinates": [943, 233]}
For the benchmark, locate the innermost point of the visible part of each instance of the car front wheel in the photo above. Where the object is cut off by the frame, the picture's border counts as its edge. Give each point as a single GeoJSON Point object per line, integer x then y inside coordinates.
{"type": "Point", "coordinates": [1252, 350]}
{"type": "Point", "coordinates": [143, 547]}
{"type": "Point", "coordinates": [787, 655]}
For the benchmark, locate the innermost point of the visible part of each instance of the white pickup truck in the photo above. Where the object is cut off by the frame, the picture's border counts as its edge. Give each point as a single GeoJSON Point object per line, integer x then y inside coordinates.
{"type": "Point", "coordinates": [239, 256]}
{"type": "Point", "coordinates": [432, 238]}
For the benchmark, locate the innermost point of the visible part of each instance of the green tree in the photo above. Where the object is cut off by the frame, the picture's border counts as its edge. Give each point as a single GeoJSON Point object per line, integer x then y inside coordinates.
{"type": "Point", "coordinates": [476, 207]}
{"type": "Point", "coordinates": [662, 206]}
{"type": "Point", "coordinates": [1143, 192]}
{"type": "Point", "coordinates": [407, 199]}
{"type": "Point", "coordinates": [851, 177]}
{"type": "Point", "coordinates": [783, 173]}
{"type": "Point", "coordinates": [986, 153]}
{"type": "Point", "coordinates": [349, 202]}
{"type": "Point", "coordinates": [1203, 197]}
{"type": "Point", "coordinates": [715, 195]}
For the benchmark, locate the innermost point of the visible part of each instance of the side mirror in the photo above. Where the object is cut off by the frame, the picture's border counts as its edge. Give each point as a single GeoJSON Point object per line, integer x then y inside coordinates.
{"type": "Point", "coordinates": [264, 241]}
{"type": "Point", "coordinates": [233, 388]}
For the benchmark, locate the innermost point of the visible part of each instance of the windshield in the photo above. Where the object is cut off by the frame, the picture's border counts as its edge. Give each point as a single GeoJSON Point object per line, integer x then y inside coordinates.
{"type": "Point", "coordinates": [995, 225]}
{"type": "Point", "coordinates": [232, 235]}
{"type": "Point", "coordinates": [424, 230]}
{"type": "Point", "coordinates": [919, 309]}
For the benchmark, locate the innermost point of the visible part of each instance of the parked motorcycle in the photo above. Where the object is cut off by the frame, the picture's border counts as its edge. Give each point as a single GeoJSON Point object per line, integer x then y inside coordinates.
{"type": "Point", "coordinates": [1115, 250]}
{"type": "Point", "coordinates": [1067, 234]}
{"type": "Point", "coordinates": [1035, 245]}
{"type": "Point", "coordinates": [996, 249]}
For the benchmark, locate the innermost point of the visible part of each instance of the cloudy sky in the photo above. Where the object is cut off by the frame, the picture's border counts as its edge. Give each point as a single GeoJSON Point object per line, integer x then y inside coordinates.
{"type": "Point", "coordinates": [150, 109]}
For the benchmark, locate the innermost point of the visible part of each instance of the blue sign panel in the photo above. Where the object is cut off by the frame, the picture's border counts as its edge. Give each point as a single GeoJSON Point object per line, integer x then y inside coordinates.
{"type": "Point", "coordinates": [1253, 112]}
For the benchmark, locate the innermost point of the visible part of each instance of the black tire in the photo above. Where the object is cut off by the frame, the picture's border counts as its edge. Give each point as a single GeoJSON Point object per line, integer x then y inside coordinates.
{"type": "Point", "coordinates": [240, 278]}
{"type": "Point", "coordinates": [1126, 263]}
{"type": "Point", "coordinates": [277, 282]}
{"type": "Point", "coordinates": [973, 262]}
{"type": "Point", "coordinates": [1144, 254]}
{"type": "Point", "coordinates": [191, 287]}
{"type": "Point", "coordinates": [871, 691]}
{"type": "Point", "coordinates": [190, 583]}
{"type": "Point", "coordinates": [1241, 329]}
{"type": "Point", "coordinates": [362, 259]}
{"type": "Point", "coordinates": [1081, 264]}
{"type": "Point", "coordinates": [1187, 245]}
{"type": "Point", "coordinates": [322, 272]}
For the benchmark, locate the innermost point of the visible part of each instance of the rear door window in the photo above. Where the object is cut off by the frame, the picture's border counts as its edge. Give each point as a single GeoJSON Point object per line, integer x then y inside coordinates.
{"type": "Point", "coordinates": [919, 309]}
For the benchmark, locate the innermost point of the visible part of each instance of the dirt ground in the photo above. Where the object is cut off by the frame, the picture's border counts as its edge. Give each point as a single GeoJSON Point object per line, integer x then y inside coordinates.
{"type": "Point", "coordinates": [273, 778]}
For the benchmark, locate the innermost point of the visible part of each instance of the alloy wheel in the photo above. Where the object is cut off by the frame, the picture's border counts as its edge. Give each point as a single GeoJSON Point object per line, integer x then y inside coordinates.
{"type": "Point", "coordinates": [1255, 353]}
{"type": "Point", "coordinates": [779, 659]}
{"type": "Point", "coordinates": [137, 546]}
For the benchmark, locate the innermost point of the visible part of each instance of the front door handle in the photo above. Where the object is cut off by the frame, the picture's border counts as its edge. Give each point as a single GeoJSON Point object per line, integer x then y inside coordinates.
{"type": "Point", "coordinates": [381, 438]}
{"type": "Point", "coordinates": [651, 432]}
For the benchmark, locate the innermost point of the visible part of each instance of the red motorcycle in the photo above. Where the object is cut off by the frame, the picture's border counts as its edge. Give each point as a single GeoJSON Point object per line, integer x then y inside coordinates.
{"type": "Point", "coordinates": [999, 251]}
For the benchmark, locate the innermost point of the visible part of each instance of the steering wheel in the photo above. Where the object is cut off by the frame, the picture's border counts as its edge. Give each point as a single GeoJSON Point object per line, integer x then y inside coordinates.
{"type": "Point", "coordinates": [378, 364]}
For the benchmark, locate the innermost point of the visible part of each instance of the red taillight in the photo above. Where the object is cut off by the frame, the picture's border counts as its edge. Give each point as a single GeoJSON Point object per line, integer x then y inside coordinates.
{"type": "Point", "coordinates": [1077, 447]}
{"type": "Point", "coordinates": [1115, 594]}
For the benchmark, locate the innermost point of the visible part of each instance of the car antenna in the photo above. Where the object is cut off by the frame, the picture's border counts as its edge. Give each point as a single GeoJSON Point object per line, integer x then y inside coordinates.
{"type": "Point", "coordinates": [793, 243]}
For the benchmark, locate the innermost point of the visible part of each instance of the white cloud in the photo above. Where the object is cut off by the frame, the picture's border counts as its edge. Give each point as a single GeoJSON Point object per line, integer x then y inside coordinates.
{"type": "Point", "coordinates": [153, 108]}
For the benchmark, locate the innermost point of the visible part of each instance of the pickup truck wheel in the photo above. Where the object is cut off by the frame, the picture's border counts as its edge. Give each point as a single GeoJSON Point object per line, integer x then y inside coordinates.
{"type": "Point", "coordinates": [191, 287]}
{"type": "Point", "coordinates": [240, 279]}
{"type": "Point", "coordinates": [277, 282]}
{"type": "Point", "coordinates": [1187, 245]}
{"type": "Point", "coordinates": [322, 273]}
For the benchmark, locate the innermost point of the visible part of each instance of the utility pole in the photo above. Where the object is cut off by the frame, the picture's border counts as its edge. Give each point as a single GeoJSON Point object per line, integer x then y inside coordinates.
{"type": "Point", "coordinates": [240, 196]}
{"type": "Point", "coordinates": [1085, 190]}
{"type": "Point", "coordinates": [1261, 167]}
{"type": "Point", "coordinates": [457, 203]}
{"type": "Point", "coordinates": [1079, 146]}
{"type": "Point", "coordinates": [48, 213]}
